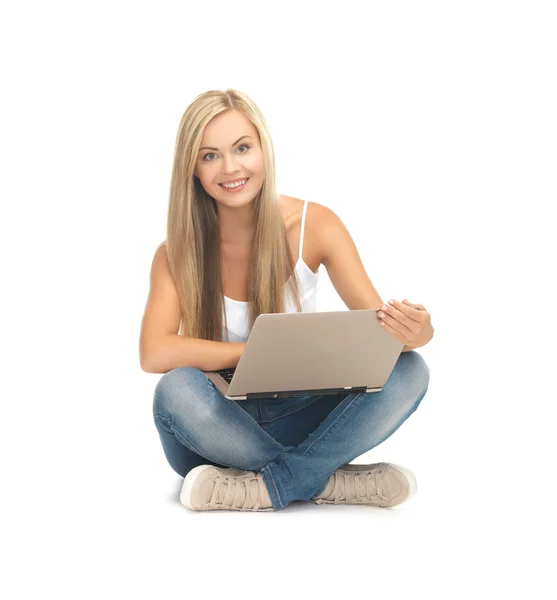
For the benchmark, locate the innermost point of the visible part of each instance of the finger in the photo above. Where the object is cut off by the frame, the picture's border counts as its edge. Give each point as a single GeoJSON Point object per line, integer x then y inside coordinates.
{"type": "Point", "coordinates": [405, 314]}
{"type": "Point", "coordinates": [394, 321]}
{"type": "Point", "coordinates": [422, 316]}
{"type": "Point", "coordinates": [416, 306]}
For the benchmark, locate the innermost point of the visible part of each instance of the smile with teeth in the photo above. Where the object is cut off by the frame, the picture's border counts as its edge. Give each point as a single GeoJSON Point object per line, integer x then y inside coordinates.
{"type": "Point", "coordinates": [234, 185]}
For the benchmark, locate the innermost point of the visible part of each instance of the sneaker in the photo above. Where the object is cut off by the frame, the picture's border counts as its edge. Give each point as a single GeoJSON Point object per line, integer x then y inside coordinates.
{"type": "Point", "coordinates": [207, 487]}
{"type": "Point", "coordinates": [380, 484]}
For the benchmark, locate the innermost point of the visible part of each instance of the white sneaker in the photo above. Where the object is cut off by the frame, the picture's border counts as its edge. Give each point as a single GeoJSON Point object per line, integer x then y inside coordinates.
{"type": "Point", "coordinates": [207, 487]}
{"type": "Point", "coordinates": [379, 484]}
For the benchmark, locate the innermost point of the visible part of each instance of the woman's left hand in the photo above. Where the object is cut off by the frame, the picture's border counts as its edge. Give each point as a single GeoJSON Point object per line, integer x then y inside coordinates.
{"type": "Point", "coordinates": [408, 323]}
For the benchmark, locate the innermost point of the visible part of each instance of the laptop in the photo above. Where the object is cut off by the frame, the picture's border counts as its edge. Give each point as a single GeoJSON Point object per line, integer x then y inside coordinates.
{"type": "Point", "coordinates": [316, 353]}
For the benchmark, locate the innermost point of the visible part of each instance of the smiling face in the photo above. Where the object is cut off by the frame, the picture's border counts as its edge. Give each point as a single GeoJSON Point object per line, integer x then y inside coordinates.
{"type": "Point", "coordinates": [230, 151]}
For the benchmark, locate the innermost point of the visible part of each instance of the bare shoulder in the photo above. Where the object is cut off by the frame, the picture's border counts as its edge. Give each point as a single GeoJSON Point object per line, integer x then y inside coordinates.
{"type": "Point", "coordinates": [320, 213]}
{"type": "Point", "coordinates": [318, 217]}
{"type": "Point", "coordinates": [316, 212]}
{"type": "Point", "coordinates": [338, 253]}
{"type": "Point", "coordinates": [161, 275]}
{"type": "Point", "coordinates": [160, 253]}
{"type": "Point", "coordinates": [160, 266]}
{"type": "Point", "coordinates": [293, 210]}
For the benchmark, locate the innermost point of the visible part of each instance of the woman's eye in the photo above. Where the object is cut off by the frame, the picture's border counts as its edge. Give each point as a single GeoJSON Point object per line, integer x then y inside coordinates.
{"type": "Point", "coordinates": [211, 153]}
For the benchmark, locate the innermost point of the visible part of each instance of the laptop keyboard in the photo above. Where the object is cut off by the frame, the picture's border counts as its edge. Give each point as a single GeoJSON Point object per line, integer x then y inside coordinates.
{"type": "Point", "coordinates": [227, 374]}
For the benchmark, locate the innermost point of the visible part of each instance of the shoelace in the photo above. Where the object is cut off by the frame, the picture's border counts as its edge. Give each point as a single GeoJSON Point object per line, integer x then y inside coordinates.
{"type": "Point", "coordinates": [236, 490]}
{"type": "Point", "coordinates": [347, 484]}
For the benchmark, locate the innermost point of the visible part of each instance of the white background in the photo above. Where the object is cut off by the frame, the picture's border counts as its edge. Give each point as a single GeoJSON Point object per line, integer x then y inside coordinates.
{"type": "Point", "coordinates": [430, 128]}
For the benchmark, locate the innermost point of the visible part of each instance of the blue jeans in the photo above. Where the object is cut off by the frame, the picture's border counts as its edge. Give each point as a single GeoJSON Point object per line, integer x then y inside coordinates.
{"type": "Point", "coordinates": [296, 443]}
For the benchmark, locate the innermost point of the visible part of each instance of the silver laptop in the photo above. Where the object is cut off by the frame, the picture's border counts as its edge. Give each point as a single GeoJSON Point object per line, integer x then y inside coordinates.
{"type": "Point", "coordinates": [316, 353]}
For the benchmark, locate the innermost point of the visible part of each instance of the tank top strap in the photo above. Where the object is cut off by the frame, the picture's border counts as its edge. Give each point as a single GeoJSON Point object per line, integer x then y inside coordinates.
{"type": "Point", "coordinates": [304, 212]}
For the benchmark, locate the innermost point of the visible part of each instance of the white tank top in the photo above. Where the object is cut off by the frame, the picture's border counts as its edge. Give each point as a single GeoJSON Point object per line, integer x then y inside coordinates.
{"type": "Point", "coordinates": [237, 312]}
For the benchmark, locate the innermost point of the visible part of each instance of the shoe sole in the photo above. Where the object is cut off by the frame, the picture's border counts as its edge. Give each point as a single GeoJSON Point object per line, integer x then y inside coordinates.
{"type": "Point", "coordinates": [185, 494]}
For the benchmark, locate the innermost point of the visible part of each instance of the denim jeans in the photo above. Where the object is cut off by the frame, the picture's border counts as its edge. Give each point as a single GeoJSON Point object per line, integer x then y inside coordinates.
{"type": "Point", "coordinates": [296, 443]}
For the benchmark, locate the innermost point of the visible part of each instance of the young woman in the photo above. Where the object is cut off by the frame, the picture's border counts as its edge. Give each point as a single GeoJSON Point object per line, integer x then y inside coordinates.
{"type": "Point", "coordinates": [236, 249]}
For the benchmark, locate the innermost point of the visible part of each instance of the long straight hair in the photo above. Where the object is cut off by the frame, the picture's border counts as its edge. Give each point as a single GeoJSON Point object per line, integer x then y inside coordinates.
{"type": "Point", "coordinates": [193, 244]}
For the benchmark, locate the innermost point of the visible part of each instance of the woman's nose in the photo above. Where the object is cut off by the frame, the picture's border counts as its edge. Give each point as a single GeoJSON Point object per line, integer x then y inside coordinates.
{"type": "Point", "coordinates": [230, 164]}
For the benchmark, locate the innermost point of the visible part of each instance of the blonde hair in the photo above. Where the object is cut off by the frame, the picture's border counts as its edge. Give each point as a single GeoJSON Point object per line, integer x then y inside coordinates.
{"type": "Point", "coordinates": [193, 236]}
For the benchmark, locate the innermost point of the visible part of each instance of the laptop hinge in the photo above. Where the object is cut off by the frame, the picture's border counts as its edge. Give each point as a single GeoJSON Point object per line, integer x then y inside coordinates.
{"type": "Point", "coordinates": [294, 393]}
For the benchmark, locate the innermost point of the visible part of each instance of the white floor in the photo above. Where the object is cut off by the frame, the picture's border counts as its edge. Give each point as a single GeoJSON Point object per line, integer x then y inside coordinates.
{"type": "Point", "coordinates": [97, 515]}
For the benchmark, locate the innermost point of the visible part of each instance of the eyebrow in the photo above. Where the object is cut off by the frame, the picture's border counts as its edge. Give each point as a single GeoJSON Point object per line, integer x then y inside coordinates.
{"type": "Point", "coordinates": [209, 148]}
